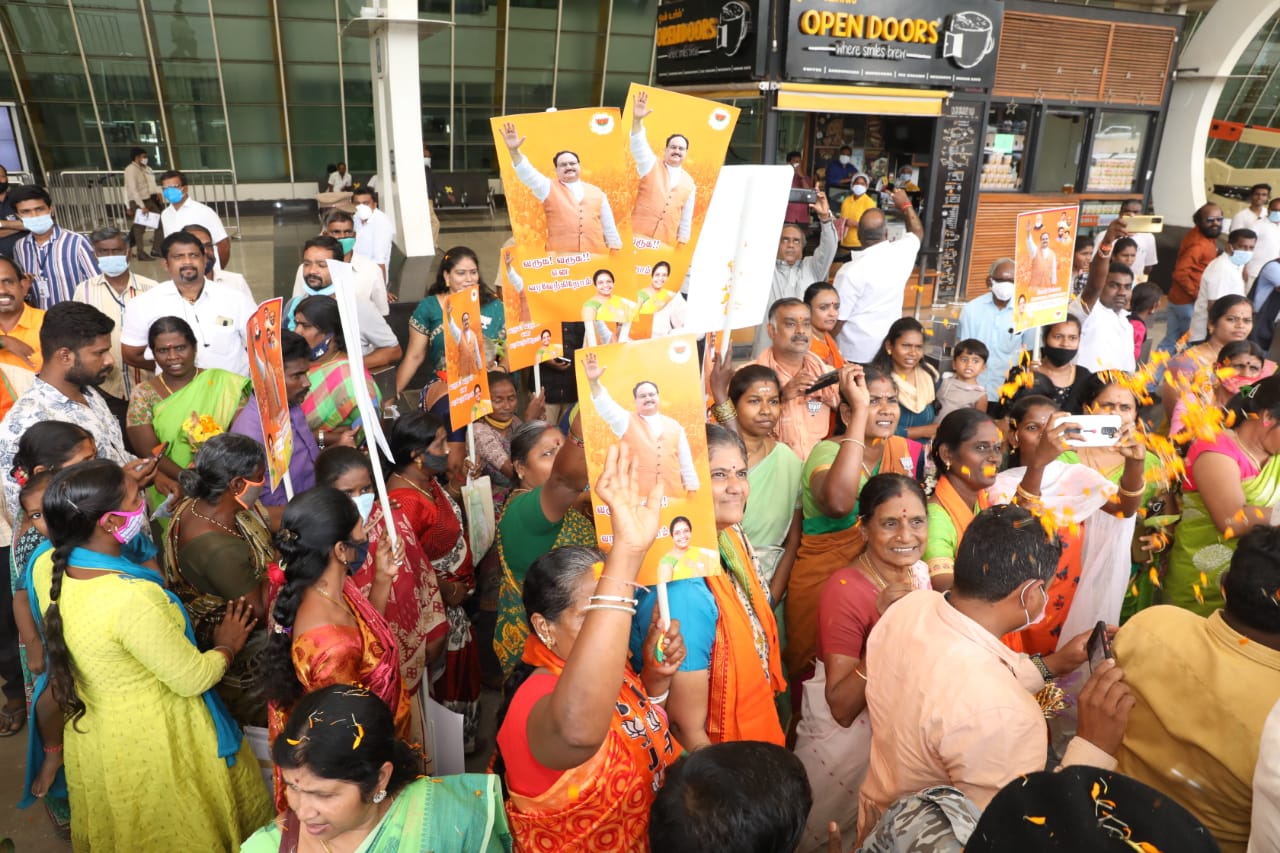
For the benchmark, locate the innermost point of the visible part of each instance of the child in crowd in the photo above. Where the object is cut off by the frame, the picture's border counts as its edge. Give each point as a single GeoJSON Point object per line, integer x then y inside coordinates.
{"type": "Point", "coordinates": [961, 389]}
{"type": "Point", "coordinates": [1142, 302]}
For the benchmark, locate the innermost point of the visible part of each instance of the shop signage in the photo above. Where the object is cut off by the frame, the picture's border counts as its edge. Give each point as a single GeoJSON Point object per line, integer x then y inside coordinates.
{"type": "Point", "coordinates": [893, 42]}
{"type": "Point", "coordinates": [958, 132]}
{"type": "Point", "coordinates": [711, 41]}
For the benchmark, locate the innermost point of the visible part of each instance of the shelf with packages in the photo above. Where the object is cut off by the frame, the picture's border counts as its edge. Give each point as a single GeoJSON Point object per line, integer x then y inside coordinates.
{"type": "Point", "coordinates": [1002, 163]}
{"type": "Point", "coordinates": [1112, 174]}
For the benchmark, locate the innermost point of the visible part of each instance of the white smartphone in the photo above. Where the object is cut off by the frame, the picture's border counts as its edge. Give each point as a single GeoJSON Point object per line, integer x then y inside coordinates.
{"type": "Point", "coordinates": [1091, 430]}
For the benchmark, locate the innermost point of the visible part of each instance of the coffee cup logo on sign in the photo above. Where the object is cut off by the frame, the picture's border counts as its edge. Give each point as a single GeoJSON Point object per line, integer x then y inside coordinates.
{"type": "Point", "coordinates": [735, 21]}
{"type": "Point", "coordinates": [968, 38]}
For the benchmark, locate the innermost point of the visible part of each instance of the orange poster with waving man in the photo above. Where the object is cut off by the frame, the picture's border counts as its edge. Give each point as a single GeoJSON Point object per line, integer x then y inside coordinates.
{"type": "Point", "coordinates": [647, 395]}
{"type": "Point", "coordinates": [464, 358]}
{"type": "Point", "coordinates": [569, 195]}
{"type": "Point", "coordinates": [266, 369]}
{"type": "Point", "coordinates": [676, 145]}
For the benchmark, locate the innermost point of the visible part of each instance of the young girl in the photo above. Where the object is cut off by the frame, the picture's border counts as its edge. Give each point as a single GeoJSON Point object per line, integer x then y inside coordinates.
{"type": "Point", "coordinates": [903, 353]}
{"type": "Point", "coordinates": [1141, 303]}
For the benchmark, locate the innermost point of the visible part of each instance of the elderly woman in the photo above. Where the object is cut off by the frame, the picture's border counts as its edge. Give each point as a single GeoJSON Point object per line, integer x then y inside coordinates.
{"type": "Point", "coordinates": [726, 685]}
{"type": "Point", "coordinates": [143, 720]}
{"type": "Point", "coordinates": [217, 550]}
{"type": "Point", "coordinates": [352, 784]}
{"type": "Point", "coordinates": [583, 743]}
{"type": "Point", "coordinates": [323, 630]}
{"type": "Point", "coordinates": [833, 738]}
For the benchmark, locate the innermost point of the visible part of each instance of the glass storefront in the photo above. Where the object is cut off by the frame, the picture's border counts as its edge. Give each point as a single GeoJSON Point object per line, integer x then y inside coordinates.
{"type": "Point", "coordinates": [275, 90]}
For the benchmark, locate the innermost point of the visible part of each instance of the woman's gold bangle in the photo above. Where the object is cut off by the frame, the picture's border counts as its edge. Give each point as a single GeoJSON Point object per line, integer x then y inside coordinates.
{"type": "Point", "coordinates": [855, 441]}
{"type": "Point", "coordinates": [724, 412]}
{"type": "Point", "coordinates": [1132, 493]}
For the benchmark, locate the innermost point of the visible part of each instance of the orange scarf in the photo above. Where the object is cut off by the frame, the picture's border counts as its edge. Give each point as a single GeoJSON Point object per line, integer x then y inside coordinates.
{"type": "Point", "coordinates": [1042, 638]}
{"type": "Point", "coordinates": [742, 706]}
{"type": "Point", "coordinates": [960, 512]}
{"type": "Point", "coordinates": [602, 804]}
{"type": "Point", "coordinates": [821, 345]}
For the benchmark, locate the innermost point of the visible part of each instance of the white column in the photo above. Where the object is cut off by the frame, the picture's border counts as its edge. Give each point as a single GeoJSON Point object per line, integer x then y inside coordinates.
{"type": "Point", "coordinates": [1206, 62]}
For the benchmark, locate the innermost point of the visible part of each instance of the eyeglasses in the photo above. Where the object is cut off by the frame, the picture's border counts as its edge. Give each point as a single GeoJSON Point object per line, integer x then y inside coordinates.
{"type": "Point", "coordinates": [1213, 219]}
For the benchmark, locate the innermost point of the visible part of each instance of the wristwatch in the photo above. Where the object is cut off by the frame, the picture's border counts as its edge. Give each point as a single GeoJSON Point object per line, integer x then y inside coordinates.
{"type": "Point", "coordinates": [1045, 672]}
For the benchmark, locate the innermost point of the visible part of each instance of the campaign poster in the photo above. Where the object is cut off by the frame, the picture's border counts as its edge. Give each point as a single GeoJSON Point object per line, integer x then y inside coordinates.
{"type": "Point", "coordinates": [647, 395]}
{"type": "Point", "coordinates": [569, 195]}
{"type": "Point", "coordinates": [266, 369]}
{"type": "Point", "coordinates": [675, 148]}
{"type": "Point", "coordinates": [524, 337]}
{"type": "Point", "coordinates": [1042, 259]}
{"type": "Point", "coordinates": [464, 362]}
{"type": "Point", "coordinates": [733, 264]}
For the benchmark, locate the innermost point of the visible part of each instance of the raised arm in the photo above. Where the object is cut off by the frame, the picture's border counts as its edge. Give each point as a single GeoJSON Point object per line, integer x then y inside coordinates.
{"type": "Point", "coordinates": [903, 202]}
{"type": "Point", "coordinates": [613, 415]}
{"type": "Point", "coordinates": [1101, 263]}
{"type": "Point", "coordinates": [612, 238]}
{"type": "Point", "coordinates": [835, 489]}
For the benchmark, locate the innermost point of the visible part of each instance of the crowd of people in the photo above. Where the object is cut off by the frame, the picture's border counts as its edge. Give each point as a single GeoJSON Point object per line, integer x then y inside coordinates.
{"type": "Point", "coordinates": [934, 585]}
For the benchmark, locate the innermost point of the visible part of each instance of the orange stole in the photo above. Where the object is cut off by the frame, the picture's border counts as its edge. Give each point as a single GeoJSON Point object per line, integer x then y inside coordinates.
{"type": "Point", "coordinates": [656, 456]}
{"type": "Point", "coordinates": [658, 204]}
{"type": "Point", "coordinates": [1043, 637]}
{"type": "Point", "coordinates": [572, 225]}
{"type": "Point", "coordinates": [602, 804]}
{"type": "Point", "coordinates": [741, 702]}
{"type": "Point", "coordinates": [819, 557]}
{"type": "Point", "coordinates": [824, 347]}
{"type": "Point", "coordinates": [960, 512]}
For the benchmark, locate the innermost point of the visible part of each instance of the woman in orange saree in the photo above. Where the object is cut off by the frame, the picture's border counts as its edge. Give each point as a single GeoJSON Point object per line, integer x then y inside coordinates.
{"type": "Point", "coordinates": [323, 631]}
{"type": "Point", "coordinates": [583, 743]}
{"type": "Point", "coordinates": [830, 483]}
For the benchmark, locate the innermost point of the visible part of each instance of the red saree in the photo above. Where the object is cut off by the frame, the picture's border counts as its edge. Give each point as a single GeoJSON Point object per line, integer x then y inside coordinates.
{"type": "Point", "coordinates": [604, 803]}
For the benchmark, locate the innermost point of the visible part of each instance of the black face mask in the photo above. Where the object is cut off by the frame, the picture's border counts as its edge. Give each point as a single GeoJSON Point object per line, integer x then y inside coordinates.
{"type": "Point", "coordinates": [1057, 356]}
{"type": "Point", "coordinates": [4, 187]}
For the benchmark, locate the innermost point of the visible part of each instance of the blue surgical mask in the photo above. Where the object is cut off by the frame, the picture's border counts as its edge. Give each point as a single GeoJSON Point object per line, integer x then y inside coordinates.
{"type": "Point", "coordinates": [38, 224]}
{"type": "Point", "coordinates": [114, 265]}
{"type": "Point", "coordinates": [364, 503]}
{"type": "Point", "coordinates": [173, 195]}
{"type": "Point", "coordinates": [362, 553]}
{"type": "Point", "coordinates": [321, 348]}
{"type": "Point", "coordinates": [1274, 216]}
{"type": "Point", "coordinates": [324, 291]}
{"type": "Point", "coordinates": [1240, 257]}
{"type": "Point", "coordinates": [349, 243]}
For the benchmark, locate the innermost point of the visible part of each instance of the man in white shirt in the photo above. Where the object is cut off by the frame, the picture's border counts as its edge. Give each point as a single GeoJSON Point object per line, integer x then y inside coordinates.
{"type": "Point", "coordinates": [375, 335]}
{"type": "Point", "coordinates": [1268, 246]}
{"type": "Point", "coordinates": [374, 230]}
{"type": "Point", "coordinates": [1259, 196]}
{"type": "Point", "coordinates": [989, 318]}
{"type": "Point", "coordinates": [664, 201]}
{"type": "Point", "coordinates": [217, 314]}
{"type": "Point", "coordinates": [1223, 276]}
{"type": "Point", "coordinates": [370, 287]}
{"type": "Point", "coordinates": [340, 180]}
{"type": "Point", "coordinates": [1106, 335]}
{"type": "Point", "coordinates": [872, 284]}
{"type": "Point", "coordinates": [182, 210]}
{"type": "Point", "coordinates": [233, 280]}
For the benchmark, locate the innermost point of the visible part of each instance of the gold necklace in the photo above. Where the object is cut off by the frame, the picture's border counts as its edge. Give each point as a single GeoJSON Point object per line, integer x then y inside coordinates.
{"type": "Point", "coordinates": [169, 390]}
{"type": "Point", "coordinates": [878, 580]}
{"type": "Point", "coordinates": [416, 487]}
{"type": "Point", "coordinates": [198, 514]}
{"type": "Point", "coordinates": [343, 604]}
{"type": "Point", "coordinates": [1240, 444]}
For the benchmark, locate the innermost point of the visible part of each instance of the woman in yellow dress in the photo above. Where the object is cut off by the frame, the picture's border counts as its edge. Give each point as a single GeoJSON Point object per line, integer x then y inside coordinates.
{"type": "Point", "coordinates": [154, 760]}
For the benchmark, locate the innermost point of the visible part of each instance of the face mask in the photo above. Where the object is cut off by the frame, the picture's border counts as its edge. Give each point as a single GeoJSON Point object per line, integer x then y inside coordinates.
{"type": "Point", "coordinates": [1235, 383]}
{"type": "Point", "coordinates": [859, 189]}
{"type": "Point", "coordinates": [1001, 290]}
{"type": "Point", "coordinates": [363, 211]}
{"type": "Point", "coordinates": [1027, 613]}
{"type": "Point", "coordinates": [364, 503]}
{"type": "Point", "coordinates": [845, 159]}
{"type": "Point", "coordinates": [426, 161]}
{"type": "Point", "coordinates": [324, 291]}
{"type": "Point", "coordinates": [321, 348]}
{"type": "Point", "coordinates": [132, 526]}
{"type": "Point", "coordinates": [250, 493]}
{"type": "Point", "coordinates": [435, 464]}
{"type": "Point", "coordinates": [348, 245]}
{"type": "Point", "coordinates": [362, 553]}
{"type": "Point", "coordinates": [1274, 216]}
{"type": "Point", "coordinates": [144, 161]}
{"type": "Point", "coordinates": [4, 187]}
{"type": "Point", "coordinates": [114, 265]}
{"type": "Point", "coordinates": [208, 268]}
{"type": "Point", "coordinates": [904, 179]}
{"type": "Point", "coordinates": [38, 224]}
{"type": "Point", "coordinates": [1240, 257]}
{"type": "Point", "coordinates": [1057, 356]}
{"type": "Point", "coordinates": [173, 195]}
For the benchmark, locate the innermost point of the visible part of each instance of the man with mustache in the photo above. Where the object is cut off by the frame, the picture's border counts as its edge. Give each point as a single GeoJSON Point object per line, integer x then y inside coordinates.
{"type": "Point", "coordinates": [806, 418]}
{"type": "Point", "coordinates": [216, 313]}
{"type": "Point", "coordinates": [1198, 248]}
{"type": "Point", "coordinates": [370, 287]}
{"type": "Point", "coordinates": [378, 343]}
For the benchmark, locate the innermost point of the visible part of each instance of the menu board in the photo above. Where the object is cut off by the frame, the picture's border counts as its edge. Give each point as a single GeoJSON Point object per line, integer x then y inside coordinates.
{"type": "Point", "coordinates": [957, 146]}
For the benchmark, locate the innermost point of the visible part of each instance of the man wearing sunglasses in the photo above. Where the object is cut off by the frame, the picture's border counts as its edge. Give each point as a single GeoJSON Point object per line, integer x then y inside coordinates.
{"type": "Point", "coordinates": [1198, 248]}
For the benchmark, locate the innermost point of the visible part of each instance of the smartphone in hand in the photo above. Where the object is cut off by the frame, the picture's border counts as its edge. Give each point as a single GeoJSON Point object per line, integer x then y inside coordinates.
{"type": "Point", "coordinates": [1099, 647]}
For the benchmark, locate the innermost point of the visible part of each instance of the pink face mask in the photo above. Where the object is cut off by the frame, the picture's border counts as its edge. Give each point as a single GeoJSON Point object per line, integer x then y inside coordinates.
{"type": "Point", "coordinates": [132, 526]}
{"type": "Point", "coordinates": [1234, 383]}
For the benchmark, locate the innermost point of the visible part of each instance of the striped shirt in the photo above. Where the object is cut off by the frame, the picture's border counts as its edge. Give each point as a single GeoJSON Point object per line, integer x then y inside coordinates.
{"type": "Point", "coordinates": [62, 262]}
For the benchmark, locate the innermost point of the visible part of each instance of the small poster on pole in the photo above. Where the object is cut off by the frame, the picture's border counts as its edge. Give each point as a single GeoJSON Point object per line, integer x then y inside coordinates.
{"type": "Point", "coordinates": [266, 369]}
{"type": "Point", "coordinates": [1045, 243]}
{"type": "Point", "coordinates": [464, 359]}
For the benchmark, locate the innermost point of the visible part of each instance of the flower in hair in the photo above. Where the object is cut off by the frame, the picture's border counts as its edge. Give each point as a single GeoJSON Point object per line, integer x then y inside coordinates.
{"type": "Point", "coordinates": [275, 573]}
{"type": "Point", "coordinates": [19, 475]}
{"type": "Point", "coordinates": [277, 628]}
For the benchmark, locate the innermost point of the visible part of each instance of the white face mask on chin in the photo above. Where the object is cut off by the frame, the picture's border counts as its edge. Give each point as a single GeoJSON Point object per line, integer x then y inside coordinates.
{"type": "Point", "coordinates": [1022, 599]}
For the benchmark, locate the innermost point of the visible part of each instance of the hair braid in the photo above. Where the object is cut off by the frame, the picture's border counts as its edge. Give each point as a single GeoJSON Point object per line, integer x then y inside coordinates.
{"type": "Point", "coordinates": [61, 667]}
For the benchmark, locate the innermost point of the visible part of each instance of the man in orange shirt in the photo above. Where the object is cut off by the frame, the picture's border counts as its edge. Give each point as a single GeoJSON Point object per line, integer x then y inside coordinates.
{"type": "Point", "coordinates": [1198, 248]}
{"type": "Point", "coordinates": [806, 418]}
{"type": "Point", "coordinates": [19, 334]}
{"type": "Point", "coordinates": [664, 203]}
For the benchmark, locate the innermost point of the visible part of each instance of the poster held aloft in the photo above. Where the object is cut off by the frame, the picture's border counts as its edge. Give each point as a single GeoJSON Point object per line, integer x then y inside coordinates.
{"type": "Point", "coordinates": [266, 369]}
{"type": "Point", "coordinates": [1045, 242]}
{"type": "Point", "coordinates": [464, 359]}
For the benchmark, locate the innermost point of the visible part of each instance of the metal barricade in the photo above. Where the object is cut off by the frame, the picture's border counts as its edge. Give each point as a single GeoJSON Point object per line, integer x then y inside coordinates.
{"type": "Point", "coordinates": [86, 200]}
{"type": "Point", "coordinates": [21, 178]}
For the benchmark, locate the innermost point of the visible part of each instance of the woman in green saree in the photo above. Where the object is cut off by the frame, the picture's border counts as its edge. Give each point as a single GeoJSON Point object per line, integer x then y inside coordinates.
{"type": "Point", "coordinates": [331, 402]}
{"type": "Point", "coordinates": [350, 785]}
{"type": "Point", "coordinates": [161, 408]}
{"type": "Point", "coordinates": [1233, 485]}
